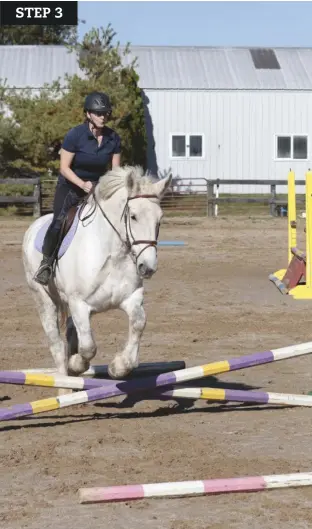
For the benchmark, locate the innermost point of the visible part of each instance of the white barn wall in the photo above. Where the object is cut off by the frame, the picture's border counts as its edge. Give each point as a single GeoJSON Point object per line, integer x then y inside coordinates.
{"type": "Point", "coordinates": [239, 128]}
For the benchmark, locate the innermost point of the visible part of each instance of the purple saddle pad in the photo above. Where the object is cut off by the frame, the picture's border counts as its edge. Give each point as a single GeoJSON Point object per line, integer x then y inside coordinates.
{"type": "Point", "coordinates": [65, 242]}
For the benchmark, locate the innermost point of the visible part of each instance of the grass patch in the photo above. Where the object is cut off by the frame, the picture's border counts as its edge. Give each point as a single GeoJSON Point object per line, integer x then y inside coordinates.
{"type": "Point", "coordinates": [9, 211]}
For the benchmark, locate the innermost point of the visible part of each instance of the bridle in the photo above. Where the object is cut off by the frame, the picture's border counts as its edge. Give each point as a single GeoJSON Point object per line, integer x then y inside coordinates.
{"type": "Point", "coordinates": [127, 218]}
{"type": "Point", "coordinates": [128, 244]}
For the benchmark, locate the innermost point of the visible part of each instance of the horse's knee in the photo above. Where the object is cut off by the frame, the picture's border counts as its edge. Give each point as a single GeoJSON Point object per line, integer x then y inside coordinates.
{"type": "Point", "coordinates": [138, 318]}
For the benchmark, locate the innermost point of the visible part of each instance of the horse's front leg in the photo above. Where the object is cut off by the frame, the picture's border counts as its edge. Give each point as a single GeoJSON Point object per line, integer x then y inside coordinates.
{"type": "Point", "coordinates": [125, 361]}
{"type": "Point", "coordinates": [79, 362]}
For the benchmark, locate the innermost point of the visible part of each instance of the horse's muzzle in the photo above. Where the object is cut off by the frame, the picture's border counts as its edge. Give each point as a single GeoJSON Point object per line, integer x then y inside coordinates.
{"type": "Point", "coordinates": [145, 272]}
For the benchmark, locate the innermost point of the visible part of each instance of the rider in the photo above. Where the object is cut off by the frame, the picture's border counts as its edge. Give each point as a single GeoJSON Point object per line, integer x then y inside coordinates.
{"type": "Point", "coordinates": [85, 153]}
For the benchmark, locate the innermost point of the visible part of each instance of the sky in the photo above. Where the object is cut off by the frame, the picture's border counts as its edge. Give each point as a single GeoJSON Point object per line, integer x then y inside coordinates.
{"type": "Point", "coordinates": [206, 23]}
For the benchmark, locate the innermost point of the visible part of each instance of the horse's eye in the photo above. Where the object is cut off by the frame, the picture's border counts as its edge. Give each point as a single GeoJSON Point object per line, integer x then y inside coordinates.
{"type": "Point", "coordinates": [133, 217]}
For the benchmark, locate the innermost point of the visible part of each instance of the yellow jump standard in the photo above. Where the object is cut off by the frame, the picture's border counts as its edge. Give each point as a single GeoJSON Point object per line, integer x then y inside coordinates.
{"type": "Point", "coordinates": [296, 279]}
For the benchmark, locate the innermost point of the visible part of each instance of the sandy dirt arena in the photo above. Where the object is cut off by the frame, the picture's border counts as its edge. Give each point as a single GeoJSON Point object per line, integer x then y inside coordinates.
{"type": "Point", "coordinates": [210, 300]}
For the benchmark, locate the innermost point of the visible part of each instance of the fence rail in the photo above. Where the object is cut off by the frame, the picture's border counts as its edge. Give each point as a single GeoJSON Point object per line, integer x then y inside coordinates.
{"type": "Point", "coordinates": [271, 201]}
{"type": "Point", "coordinates": [207, 197]}
{"type": "Point", "coordinates": [198, 196]}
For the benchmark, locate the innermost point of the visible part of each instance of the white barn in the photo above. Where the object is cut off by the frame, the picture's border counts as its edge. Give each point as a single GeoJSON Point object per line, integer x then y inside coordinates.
{"type": "Point", "coordinates": [228, 113]}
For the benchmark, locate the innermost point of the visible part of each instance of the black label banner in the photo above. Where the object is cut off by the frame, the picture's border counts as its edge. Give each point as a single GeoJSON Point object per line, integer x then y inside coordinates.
{"type": "Point", "coordinates": [38, 13]}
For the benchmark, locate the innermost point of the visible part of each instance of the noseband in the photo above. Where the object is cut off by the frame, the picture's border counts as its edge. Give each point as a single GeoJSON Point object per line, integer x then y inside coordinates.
{"type": "Point", "coordinates": [125, 214]}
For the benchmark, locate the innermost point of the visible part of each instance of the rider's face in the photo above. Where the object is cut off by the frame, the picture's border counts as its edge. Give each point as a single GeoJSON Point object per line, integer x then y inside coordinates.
{"type": "Point", "coordinates": [98, 118]}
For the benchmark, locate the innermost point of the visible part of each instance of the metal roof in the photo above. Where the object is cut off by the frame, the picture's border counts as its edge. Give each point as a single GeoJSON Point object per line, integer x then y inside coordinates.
{"type": "Point", "coordinates": [167, 67]}
{"type": "Point", "coordinates": [33, 66]}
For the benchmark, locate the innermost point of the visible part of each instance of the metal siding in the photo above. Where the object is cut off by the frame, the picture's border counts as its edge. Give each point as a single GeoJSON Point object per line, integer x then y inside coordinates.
{"type": "Point", "coordinates": [239, 130]}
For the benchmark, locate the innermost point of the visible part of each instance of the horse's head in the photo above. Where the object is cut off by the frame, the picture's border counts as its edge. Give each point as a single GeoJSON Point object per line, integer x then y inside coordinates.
{"type": "Point", "coordinates": [142, 215]}
{"type": "Point", "coordinates": [138, 209]}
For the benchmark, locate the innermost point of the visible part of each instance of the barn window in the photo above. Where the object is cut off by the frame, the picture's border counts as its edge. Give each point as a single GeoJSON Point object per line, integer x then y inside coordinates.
{"type": "Point", "coordinates": [196, 146]}
{"type": "Point", "coordinates": [178, 146]}
{"type": "Point", "coordinates": [300, 147]}
{"type": "Point", "coordinates": [186, 146]}
{"type": "Point", "coordinates": [292, 147]}
{"type": "Point", "coordinates": [284, 147]}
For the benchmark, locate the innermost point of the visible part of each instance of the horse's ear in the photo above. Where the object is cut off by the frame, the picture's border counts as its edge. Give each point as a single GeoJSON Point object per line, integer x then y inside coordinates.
{"type": "Point", "coordinates": [162, 186]}
{"type": "Point", "coordinates": [130, 182]}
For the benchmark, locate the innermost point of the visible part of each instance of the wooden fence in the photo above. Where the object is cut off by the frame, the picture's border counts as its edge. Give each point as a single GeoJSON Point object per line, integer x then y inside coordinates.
{"type": "Point", "coordinates": [205, 196]}
{"type": "Point", "coordinates": [34, 200]}
{"type": "Point", "coordinates": [200, 200]}
{"type": "Point", "coordinates": [273, 201]}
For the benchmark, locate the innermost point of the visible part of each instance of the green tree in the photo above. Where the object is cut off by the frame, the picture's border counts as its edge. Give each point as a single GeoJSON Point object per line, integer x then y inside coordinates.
{"type": "Point", "coordinates": [10, 35]}
{"type": "Point", "coordinates": [40, 122]}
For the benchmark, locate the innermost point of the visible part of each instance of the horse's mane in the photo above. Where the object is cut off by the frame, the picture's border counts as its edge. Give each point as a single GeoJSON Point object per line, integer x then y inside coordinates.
{"type": "Point", "coordinates": [115, 179]}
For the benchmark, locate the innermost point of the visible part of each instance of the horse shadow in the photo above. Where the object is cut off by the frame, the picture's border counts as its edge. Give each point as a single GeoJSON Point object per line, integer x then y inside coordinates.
{"type": "Point", "coordinates": [182, 406]}
{"type": "Point", "coordinates": [154, 394]}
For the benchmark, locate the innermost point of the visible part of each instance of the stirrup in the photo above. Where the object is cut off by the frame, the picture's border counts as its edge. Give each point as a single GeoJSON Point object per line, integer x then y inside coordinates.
{"type": "Point", "coordinates": [43, 274]}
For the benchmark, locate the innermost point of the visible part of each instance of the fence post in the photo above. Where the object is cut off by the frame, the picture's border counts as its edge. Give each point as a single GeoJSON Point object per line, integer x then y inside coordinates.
{"type": "Point", "coordinates": [37, 204]}
{"type": "Point", "coordinates": [216, 206]}
{"type": "Point", "coordinates": [272, 203]}
{"type": "Point", "coordinates": [210, 205]}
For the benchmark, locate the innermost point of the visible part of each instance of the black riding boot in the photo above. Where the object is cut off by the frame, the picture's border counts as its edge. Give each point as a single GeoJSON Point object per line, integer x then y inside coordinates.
{"type": "Point", "coordinates": [50, 244]}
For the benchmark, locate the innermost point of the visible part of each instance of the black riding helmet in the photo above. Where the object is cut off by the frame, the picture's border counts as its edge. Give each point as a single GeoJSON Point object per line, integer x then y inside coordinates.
{"type": "Point", "coordinates": [97, 101]}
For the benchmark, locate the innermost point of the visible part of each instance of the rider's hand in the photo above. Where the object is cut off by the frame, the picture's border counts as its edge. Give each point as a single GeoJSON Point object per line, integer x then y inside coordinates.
{"type": "Point", "coordinates": [87, 186]}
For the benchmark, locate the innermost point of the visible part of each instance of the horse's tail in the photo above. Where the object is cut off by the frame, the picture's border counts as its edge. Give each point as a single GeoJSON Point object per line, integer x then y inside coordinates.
{"type": "Point", "coordinates": [63, 314]}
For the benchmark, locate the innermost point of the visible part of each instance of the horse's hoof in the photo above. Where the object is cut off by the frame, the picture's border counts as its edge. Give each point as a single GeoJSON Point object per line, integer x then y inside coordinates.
{"type": "Point", "coordinates": [118, 372]}
{"type": "Point", "coordinates": [77, 364]}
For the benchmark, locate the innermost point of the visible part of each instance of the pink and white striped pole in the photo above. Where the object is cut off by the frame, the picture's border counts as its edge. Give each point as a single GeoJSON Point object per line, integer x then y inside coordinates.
{"type": "Point", "coordinates": [193, 488]}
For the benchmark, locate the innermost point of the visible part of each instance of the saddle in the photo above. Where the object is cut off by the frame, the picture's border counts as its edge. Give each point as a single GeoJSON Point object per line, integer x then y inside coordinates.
{"type": "Point", "coordinates": [72, 212]}
{"type": "Point", "coordinates": [67, 222]}
{"type": "Point", "coordinates": [68, 228]}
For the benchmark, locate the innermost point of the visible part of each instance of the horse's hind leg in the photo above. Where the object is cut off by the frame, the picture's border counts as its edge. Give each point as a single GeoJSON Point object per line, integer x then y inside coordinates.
{"type": "Point", "coordinates": [71, 337]}
{"type": "Point", "coordinates": [48, 313]}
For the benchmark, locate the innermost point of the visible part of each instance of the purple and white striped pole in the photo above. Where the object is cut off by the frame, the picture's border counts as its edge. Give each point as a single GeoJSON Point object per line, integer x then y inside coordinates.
{"type": "Point", "coordinates": [116, 388]}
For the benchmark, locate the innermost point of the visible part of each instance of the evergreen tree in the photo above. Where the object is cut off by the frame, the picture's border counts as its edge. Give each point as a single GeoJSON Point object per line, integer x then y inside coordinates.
{"type": "Point", "coordinates": [40, 122]}
{"type": "Point", "coordinates": [10, 35]}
